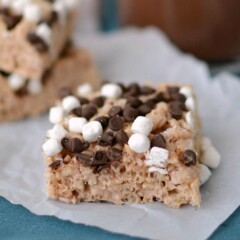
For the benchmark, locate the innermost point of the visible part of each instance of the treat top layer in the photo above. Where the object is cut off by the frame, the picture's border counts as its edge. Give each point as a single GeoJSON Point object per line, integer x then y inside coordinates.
{"type": "Point", "coordinates": [97, 127]}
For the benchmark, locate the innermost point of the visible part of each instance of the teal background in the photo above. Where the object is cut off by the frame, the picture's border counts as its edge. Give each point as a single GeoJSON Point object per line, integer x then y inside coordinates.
{"type": "Point", "coordinates": [17, 223]}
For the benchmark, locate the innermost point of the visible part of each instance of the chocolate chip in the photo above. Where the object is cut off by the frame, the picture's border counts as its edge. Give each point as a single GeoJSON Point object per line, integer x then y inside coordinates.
{"type": "Point", "coordinates": [175, 110]}
{"type": "Point", "coordinates": [145, 90]}
{"type": "Point", "coordinates": [89, 110]}
{"type": "Point", "coordinates": [100, 158]}
{"type": "Point", "coordinates": [98, 169]}
{"type": "Point", "coordinates": [114, 154]}
{"type": "Point", "coordinates": [107, 139]}
{"type": "Point", "coordinates": [150, 103]}
{"type": "Point", "coordinates": [41, 47]}
{"type": "Point", "coordinates": [132, 90]}
{"type": "Point", "coordinates": [103, 120]}
{"type": "Point", "coordinates": [172, 90]}
{"type": "Point", "coordinates": [116, 123]}
{"type": "Point", "coordinates": [134, 102]}
{"type": "Point", "coordinates": [180, 105]}
{"type": "Point", "coordinates": [55, 165]}
{"type": "Point", "coordinates": [4, 11]}
{"type": "Point", "coordinates": [160, 97]}
{"type": "Point", "coordinates": [158, 141]}
{"type": "Point", "coordinates": [52, 18]}
{"type": "Point", "coordinates": [77, 111]}
{"type": "Point", "coordinates": [37, 42]}
{"type": "Point", "coordinates": [99, 101]}
{"type": "Point", "coordinates": [121, 137]}
{"type": "Point", "coordinates": [189, 158]}
{"type": "Point", "coordinates": [122, 86]}
{"type": "Point", "coordinates": [12, 21]}
{"type": "Point", "coordinates": [64, 92]}
{"type": "Point", "coordinates": [83, 100]}
{"type": "Point", "coordinates": [178, 97]}
{"type": "Point", "coordinates": [74, 145]}
{"type": "Point", "coordinates": [114, 111]}
{"type": "Point", "coordinates": [84, 159]}
{"type": "Point", "coordinates": [144, 109]}
{"type": "Point", "coordinates": [130, 114]}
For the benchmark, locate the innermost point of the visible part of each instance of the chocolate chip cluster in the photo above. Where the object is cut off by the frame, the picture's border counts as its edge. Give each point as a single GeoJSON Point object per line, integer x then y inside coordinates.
{"type": "Point", "coordinates": [108, 130]}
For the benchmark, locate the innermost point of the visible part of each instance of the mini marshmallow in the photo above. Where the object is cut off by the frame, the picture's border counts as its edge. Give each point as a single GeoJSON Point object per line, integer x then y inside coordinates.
{"type": "Point", "coordinates": [33, 13]}
{"type": "Point", "coordinates": [76, 124]}
{"type": "Point", "coordinates": [157, 157]}
{"type": "Point", "coordinates": [19, 5]}
{"type": "Point", "coordinates": [190, 104]}
{"type": "Point", "coordinates": [45, 33]}
{"type": "Point", "coordinates": [186, 91]}
{"type": "Point", "coordinates": [60, 8]}
{"type": "Point", "coordinates": [58, 132]}
{"type": "Point", "coordinates": [69, 103]}
{"type": "Point", "coordinates": [91, 131]}
{"type": "Point", "coordinates": [189, 119]}
{"type": "Point", "coordinates": [16, 81]}
{"type": "Point", "coordinates": [205, 173]}
{"type": "Point", "coordinates": [84, 89]}
{"type": "Point", "coordinates": [139, 143]}
{"type": "Point", "coordinates": [142, 125]}
{"type": "Point", "coordinates": [56, 115]}
{"type": "Point", "coordinates": [34, 86]}
{"type": "Point", "coordinates": [52, 147]}
{"type": "Point", "coordinates": [210, 155]}
{"type": "Point", "coordinates": [206, 143]}
{"type": "Point", "coordinates": [111, 90]}
{"type": "Point", "coordinates": [160, 170]}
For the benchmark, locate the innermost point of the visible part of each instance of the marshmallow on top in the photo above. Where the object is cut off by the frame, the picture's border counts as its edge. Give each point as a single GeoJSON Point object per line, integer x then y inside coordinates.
{"type": "Point", "coordinates": [111, 90]}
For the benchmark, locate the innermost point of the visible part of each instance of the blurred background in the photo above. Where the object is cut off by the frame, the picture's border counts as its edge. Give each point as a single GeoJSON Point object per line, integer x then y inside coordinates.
{"type": "Point", "coordinates": [208, 29]}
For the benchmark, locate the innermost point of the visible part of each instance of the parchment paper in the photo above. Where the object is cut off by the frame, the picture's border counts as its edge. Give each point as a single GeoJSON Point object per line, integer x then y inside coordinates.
{"type": "Point", "coordinates": [134, 55]}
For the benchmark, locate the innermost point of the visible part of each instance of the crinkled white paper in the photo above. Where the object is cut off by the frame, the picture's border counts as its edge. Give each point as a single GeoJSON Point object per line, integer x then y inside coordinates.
{"type": "Point", "coordinates": [134, 55]}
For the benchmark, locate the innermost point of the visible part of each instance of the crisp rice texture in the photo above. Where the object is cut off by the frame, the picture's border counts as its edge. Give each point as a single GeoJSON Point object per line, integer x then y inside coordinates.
{"type": "Point", "coordinates": [128, 180]}
{"type": "Point", "coordinates": [76, 66]}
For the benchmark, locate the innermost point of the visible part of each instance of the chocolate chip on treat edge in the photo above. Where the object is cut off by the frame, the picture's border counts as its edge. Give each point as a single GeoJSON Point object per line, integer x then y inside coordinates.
{"type": "Point", "coordinates": [178, 97]}
{"type": "Point", "coordinates": [145, 90]}
{"type": "Point", "coordinates": [158, 141]}
{"type": "Point", "coordinates": [189, 158]}
{"type": "Point", "coordinates": [74, 145]}
{"type": "Point", "coordinates": [55, 165]}
{"type": "Point", "coordinates": [175, 111]}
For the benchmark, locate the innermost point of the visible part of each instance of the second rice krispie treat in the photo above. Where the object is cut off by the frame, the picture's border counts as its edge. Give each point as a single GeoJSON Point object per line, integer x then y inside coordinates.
{"type": "Point", "coordinates": [21, 97]}
{"type": "Point", "coordinates": [125, 144]}
{"type": "Point", "coordinates": [33, 34]}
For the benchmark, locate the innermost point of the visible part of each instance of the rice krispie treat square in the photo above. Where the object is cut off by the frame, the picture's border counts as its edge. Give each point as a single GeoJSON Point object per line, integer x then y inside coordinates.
{"type": "Point", "coordinates": [21, 97]}
{"type": "Point", "coordinates": [33, 34]}
{"type": "Point", "coordinates": [125, 144]}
